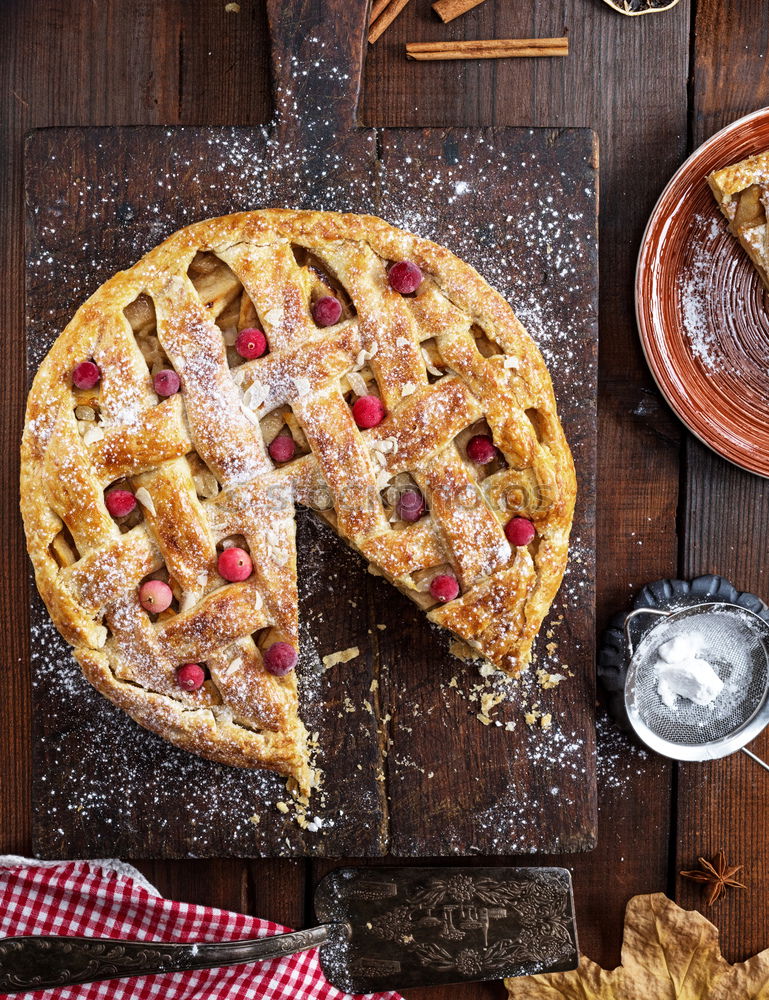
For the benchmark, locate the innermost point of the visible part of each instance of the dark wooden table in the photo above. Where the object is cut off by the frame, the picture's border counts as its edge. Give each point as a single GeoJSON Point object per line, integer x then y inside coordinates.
{"type": "Point", "coordinates": [653, 88]}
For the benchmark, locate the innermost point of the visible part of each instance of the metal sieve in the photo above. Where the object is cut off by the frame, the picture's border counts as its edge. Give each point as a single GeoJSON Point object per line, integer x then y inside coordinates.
{"type": "Point", "coordinates": [737, 648]}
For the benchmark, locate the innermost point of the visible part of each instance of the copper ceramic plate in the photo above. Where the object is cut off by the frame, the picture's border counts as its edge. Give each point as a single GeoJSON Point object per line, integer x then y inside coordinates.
{"type": "Point", "coordinates": [702, 311]}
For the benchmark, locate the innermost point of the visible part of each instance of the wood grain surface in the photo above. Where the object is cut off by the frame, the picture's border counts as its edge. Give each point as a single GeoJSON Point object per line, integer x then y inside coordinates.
{"type": "Point", "coordinates": [63, 62]}
{"type": "Point", "coordinates": [726, 524]}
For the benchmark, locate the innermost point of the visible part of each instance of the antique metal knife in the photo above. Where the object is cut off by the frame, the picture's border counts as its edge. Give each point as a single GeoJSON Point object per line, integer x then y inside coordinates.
{"type": "Point", "coordinates": [383, 928]}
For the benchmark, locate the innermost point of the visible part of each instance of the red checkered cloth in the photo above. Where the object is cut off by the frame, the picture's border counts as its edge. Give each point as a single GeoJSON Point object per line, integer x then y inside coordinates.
{"type": "Point", "coordinates": [110, 899]}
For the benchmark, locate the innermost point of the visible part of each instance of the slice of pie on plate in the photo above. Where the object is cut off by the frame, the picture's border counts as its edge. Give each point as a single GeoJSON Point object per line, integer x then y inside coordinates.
{"type": "Point", "coordinates": [742, 191]}
{"type": "Point", "coordinates": [258, 361]}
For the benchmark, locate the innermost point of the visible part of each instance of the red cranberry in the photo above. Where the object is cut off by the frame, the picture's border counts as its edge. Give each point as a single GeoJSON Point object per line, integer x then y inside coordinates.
{"type": "Point", "coordinates": [410, 506]}
{"type": "Point", "coordinates": [190, 676]}
{"type": "Point", "coordinates": [282, 448]}
{"type": "Point", "coordinates": [404, 277]}
{"type": "Point", "coordinates": [368, 411]}
{"type": "Point", "coordinates": [85, 375]}
{"type": "Point", "coordinates": [120, 502]}
{"type": "Point", "coordinates": [235, 565]}
{"type": "Point", "coordinates": [444, 587]}
{"type": "Point", "coordinates": [520, 531]}
{"type": "Point", "coordinates": [155, 596]}
{"type": "Point", "coordinates": [251, 344]}
{"type": "Point", "coordinates": [326, 311]}
{"type": "Point", "coordinates": [481, 450]}
{"type": "Point", "coordinates": [166, 383]}
{"type": "Point", "coordinates": [280, 658]}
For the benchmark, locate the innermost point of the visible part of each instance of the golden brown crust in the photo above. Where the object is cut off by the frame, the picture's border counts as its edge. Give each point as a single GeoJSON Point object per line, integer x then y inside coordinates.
{"type": "Point", "coordinates": [742, 192]}
{"type": "Point", "coordinates": [448, 362]}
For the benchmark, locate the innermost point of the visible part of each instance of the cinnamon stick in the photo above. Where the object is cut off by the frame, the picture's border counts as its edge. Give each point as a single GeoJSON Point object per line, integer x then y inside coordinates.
{"type": "Point", "coordinates": [388, 14]}
{"type": "Point", "coordinates": [489, 48]}
{"type": "Point", "coordinates": [447, 10]}
{"type": "Point", "coordinates": [376, 9]}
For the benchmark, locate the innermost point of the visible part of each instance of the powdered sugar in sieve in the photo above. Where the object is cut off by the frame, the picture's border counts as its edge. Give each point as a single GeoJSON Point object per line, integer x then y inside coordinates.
{"type": "Point", "coordinates": [736, 645]}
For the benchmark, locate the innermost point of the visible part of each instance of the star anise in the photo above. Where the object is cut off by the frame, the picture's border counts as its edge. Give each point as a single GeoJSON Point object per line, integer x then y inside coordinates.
{"type": "Point", "coordinates": [717, 875]}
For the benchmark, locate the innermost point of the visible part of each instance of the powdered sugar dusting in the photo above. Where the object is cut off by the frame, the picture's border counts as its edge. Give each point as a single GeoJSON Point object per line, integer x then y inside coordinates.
{"type": "Point", "coordinates": [696, 288]}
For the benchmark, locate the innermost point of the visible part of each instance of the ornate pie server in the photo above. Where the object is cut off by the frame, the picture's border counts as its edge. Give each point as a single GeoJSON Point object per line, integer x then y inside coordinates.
{"type": "Point", "coordinates": [383, 928]}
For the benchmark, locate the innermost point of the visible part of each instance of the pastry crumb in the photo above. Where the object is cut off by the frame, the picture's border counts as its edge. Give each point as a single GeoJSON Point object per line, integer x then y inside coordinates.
{"type": "Point", "coordinates": [462, 651]}
{"type": "Point", "coordinates": [341, 656]}
{"type": "Point", "coordinates": [546, 680]}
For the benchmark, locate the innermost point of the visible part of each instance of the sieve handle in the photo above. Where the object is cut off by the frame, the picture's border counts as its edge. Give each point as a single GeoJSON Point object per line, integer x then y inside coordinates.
{"type": "Point", "coordinates": [758, 760]}
{"type": "Point", "coordinates": [636, 614]}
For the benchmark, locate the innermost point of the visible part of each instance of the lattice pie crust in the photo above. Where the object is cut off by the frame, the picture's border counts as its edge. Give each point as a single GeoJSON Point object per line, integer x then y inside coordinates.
{"type": "Point", "coordinates": [742, 191]}
{"type": "Point", "coordinates": [448, 362]}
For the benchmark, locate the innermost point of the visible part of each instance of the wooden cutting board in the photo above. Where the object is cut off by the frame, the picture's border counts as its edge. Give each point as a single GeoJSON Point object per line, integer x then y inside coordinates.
{"type": "Point", "coordinates": [418, 760]}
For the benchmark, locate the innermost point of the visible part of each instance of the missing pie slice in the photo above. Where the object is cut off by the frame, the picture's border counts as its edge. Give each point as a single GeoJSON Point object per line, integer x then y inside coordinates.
{"type": "Point", "coordinates": [252, 363]}
{"type": "Point", "coordinates": [742, 191]}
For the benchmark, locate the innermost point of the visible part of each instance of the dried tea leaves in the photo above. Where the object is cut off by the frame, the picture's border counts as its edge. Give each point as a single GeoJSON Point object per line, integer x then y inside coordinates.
{"type": "Point", "coordinates": [634, 7]}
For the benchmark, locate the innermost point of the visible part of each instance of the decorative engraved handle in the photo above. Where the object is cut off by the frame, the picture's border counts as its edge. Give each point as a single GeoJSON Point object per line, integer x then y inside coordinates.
{"type": "Point", "coordinates": [35, 962]}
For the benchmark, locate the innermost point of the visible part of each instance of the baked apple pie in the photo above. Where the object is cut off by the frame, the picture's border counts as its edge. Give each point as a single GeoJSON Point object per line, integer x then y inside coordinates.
{"type": "Point", "coordinates": [742, 191]}
{"type": "Point", "coordinates": [252, 363]}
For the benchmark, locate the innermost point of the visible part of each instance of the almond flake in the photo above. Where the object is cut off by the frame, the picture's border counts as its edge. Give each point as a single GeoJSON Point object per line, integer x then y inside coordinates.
{"type": "Point", "coordinates": [85, 413]}
{"type": "Point", "coordinates": [249, 415]}
{"type": "Point", "coordinates": [206, 484]}
{"type": "Point", "coordinates": [302, 385]}
{"type": "Point", "coordinates": [233, 667]}
{"type": "Point", "coordinates": [429, 365]}
{"type": "Point", "coordinates": [189, 600]}
{"type": "Point", "coordinates": [144, 498]}
{"type": "Point", "coordinates": [408, 389]}
{"type": "Point", "coordinates": [357, 383]}
{"type": "Point", "coordinates": [342, 656]}
{"type": "Point", "coordinates": [511, 363]}
{"type": "Point", "coordinates": [93, 434]}
{"type": "Point", "coordinates": [255, 395]}
{"type": "Point", "coordinates": [385, 446]}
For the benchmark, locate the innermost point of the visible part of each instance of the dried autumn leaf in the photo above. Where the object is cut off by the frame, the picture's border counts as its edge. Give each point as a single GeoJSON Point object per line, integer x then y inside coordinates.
{"type": "Point", "coordinates": [667, 954]}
